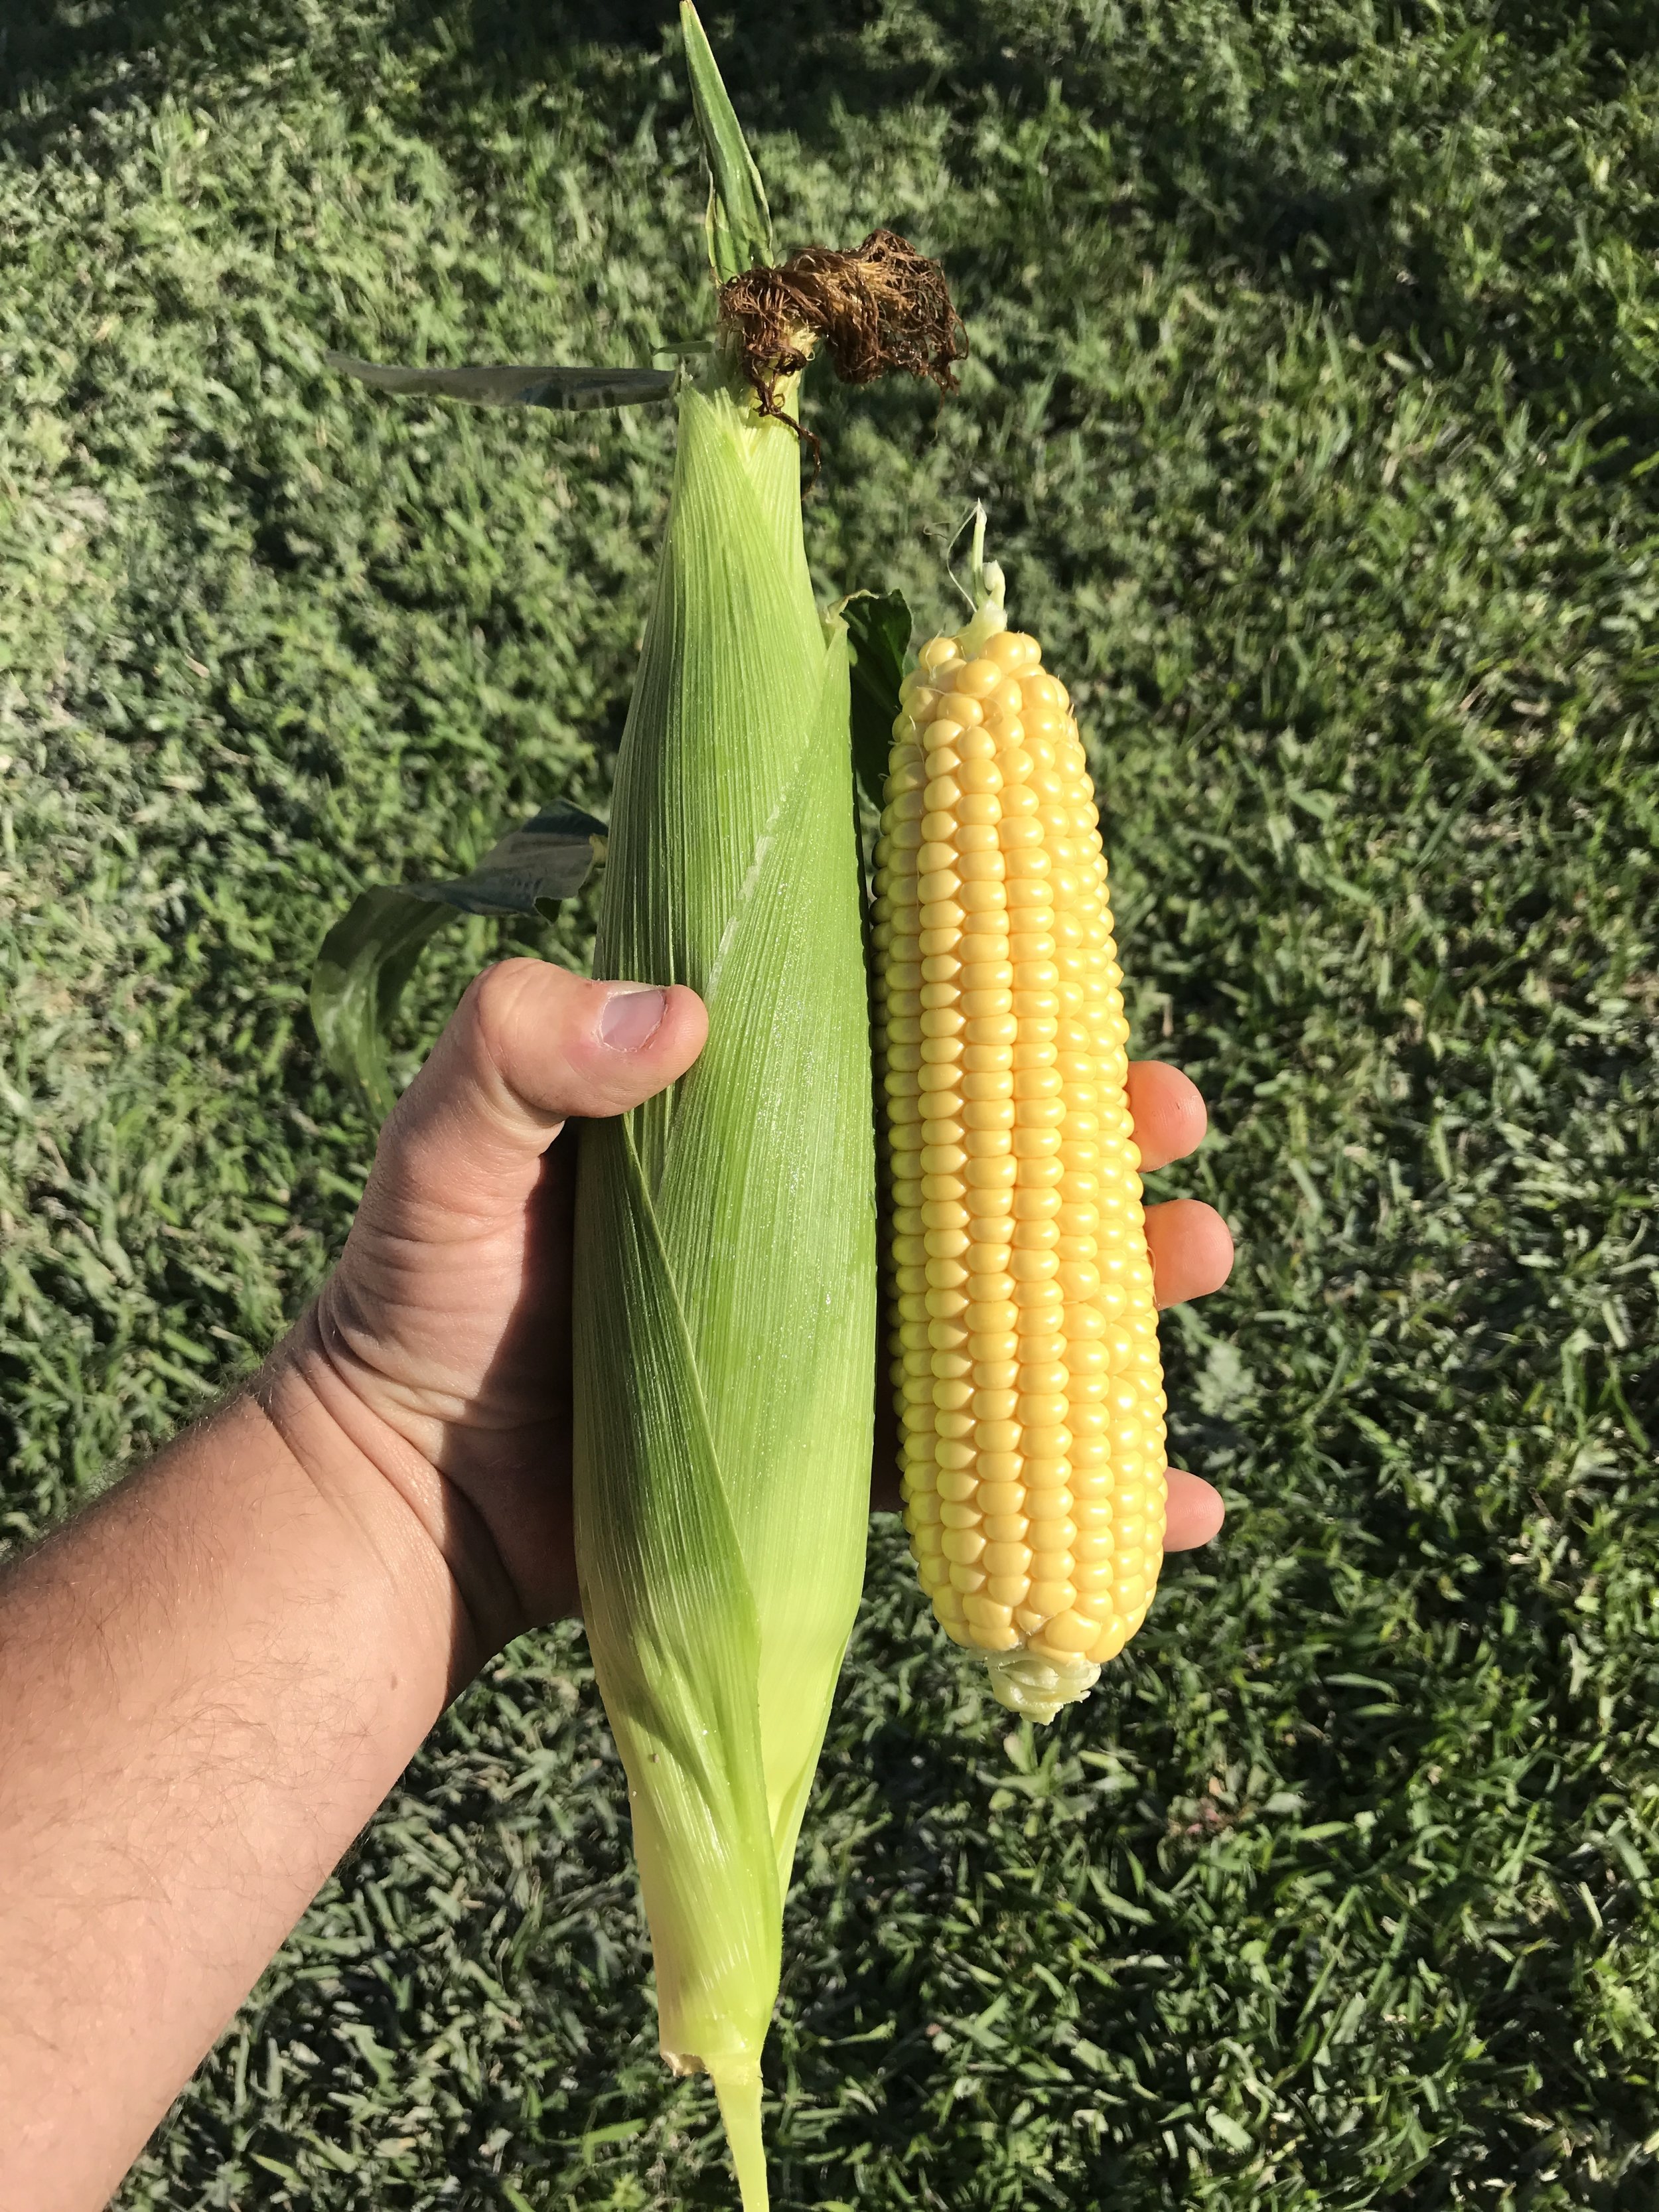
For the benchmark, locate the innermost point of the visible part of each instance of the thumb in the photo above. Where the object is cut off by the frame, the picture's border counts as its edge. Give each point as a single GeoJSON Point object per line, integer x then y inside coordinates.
{"type": "Point", "coordinates": [530, 1045]}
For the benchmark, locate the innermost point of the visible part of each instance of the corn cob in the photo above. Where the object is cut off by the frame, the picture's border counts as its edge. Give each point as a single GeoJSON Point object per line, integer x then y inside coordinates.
{"type": "Point", "coordinates": [1025, 1346]}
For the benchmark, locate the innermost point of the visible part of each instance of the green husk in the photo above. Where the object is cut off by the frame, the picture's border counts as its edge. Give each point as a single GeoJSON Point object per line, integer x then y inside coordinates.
{"type": "Point", "coordinates": [725, 1259]}
{"type": "Point", "coordinates": [726, 1245]}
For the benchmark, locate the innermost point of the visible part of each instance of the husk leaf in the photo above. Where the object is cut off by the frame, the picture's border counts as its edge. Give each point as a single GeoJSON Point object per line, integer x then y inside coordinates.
{"type": "Point", "coordinates": [725, 1248]}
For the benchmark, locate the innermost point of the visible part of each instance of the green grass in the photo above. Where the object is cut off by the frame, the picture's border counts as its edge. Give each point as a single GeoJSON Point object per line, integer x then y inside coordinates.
{"type": "Point", "coordinates": [1315, 396]}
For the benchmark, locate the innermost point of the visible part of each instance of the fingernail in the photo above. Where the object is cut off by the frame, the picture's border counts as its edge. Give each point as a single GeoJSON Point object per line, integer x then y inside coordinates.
{"type": "Point", "coordinates": [631, 1016]}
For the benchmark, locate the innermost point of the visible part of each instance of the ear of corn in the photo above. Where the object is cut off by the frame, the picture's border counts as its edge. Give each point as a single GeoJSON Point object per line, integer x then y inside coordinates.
{"type": "Point", "coordinates": [725, 1244]}
{"type": "Point", "coordinates": [1024, 1348]}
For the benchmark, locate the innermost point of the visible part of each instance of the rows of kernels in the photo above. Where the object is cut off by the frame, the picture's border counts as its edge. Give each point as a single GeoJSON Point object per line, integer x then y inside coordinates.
{"type": "Point", "coordinates": [1025, 1355]}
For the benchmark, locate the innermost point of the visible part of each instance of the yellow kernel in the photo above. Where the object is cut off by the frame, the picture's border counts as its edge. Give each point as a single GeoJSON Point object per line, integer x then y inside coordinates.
{"type": "Point", "coordinates": [1007, 1558]}
{"type": "Point", "coordinates": [1008, 1591]}
{"type": "Point", "coordinates": [998, 1370]}
{"type": "Point", "coordinates": [1039, 1316]}
{"type": "Point", "coordinates": [1041, 1409]}
{"type": "Point", "coordinates": [1000, 1499]}
{"type": "Point", "coordinates": [1069, 1634]}
{"type": "Point", "coordinates": [1042, 1085]}
{"type": "Point", "coordinates": [990, 1319]}
{"type": "Point", "coordinates": [1052, 1598]}
{"type": "Point", "coordinates": [963, 1545]}
{"type": "Point", "coordinates": [987, 1118]}
{"type": "Point", "coordinates": [992, 1624]}
{"type": "Point", "coordinates": [1029, 1266]}
{"type": "Point", "coordinates": [979, 1059]}
{"type": "Point", "coordinates": [990, 1193]}
{"type": "Point", "coordinates": [1000, 1466]}
{"type": "Point", "coordinates": [1045, 1450]}
{"type": "Point", "coordinates": [987, 1272]}
{"type": "Point", "coordinates": [1043, 1375]}
{"type": "Point", "coordinates": [988, 1173]}
{"type": "Point", "coordinates": [1041, 1204]}
{"type": "Point", "coordinates": [980, 1082]}
{"type": "Point", "coordinates": [980, 867]}
{"type": "Point", "coordinates": [960, 708]}
{"type": "Point", "coordinates": [980, 678]}
{"type": "Point", "coordinates": [997, 1437]}
{"type": "Point", "coordinates": [941, 923]}
{"type": "Point", "coordinates": [992, 1350]}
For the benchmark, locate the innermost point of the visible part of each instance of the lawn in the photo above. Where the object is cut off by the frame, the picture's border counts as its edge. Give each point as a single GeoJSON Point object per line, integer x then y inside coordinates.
{"type": "Point", "coordinates": [1314, 395]}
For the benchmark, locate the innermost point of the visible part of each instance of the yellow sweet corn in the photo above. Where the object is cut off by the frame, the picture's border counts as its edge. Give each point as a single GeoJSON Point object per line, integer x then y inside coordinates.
{"type": "Point", "coordinates": [1025, 1347]}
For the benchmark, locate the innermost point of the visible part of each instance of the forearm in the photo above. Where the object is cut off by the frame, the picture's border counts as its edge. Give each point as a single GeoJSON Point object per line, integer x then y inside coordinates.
{"type": "Point", "coordinates": [207, 1684]}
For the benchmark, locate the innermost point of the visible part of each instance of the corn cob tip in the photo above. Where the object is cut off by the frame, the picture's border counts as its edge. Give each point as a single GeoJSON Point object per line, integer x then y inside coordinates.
{"type": "Point", "coordinates": [1035, 1687]}
{"type": "Point", "coordinates": [987, 587]}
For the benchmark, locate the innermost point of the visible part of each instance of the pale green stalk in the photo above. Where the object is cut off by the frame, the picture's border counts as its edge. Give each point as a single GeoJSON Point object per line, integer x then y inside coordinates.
{"type": "Point", "coordinates": [726, 1245]}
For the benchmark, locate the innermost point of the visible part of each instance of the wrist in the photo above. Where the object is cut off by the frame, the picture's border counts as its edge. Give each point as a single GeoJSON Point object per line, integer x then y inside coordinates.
{"type": "Point", "coordinates": [427, 1539]}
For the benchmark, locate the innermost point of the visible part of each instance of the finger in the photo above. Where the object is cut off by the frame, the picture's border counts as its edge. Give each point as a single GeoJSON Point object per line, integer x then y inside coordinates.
{"type": "Point", "coordinates": [1194, 1513]}
{"type": "Point", "coordinates": [529, 1046]}
{"type": "Point", "coordinates": [1191, 1249]}
{"type": "Point", "coordinates": [1168, 1111]}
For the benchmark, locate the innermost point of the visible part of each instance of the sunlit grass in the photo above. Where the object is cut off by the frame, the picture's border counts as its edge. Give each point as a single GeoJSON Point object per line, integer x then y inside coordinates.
{"type": "Point", "coordinates": [1314, 398]}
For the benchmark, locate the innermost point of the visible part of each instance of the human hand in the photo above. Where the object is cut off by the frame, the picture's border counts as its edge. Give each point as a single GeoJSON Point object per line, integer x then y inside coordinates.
{"type": "Point", "coordinates": [440, 1345]}
{"type": "Point", "coordinates": [1192, 1255]}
